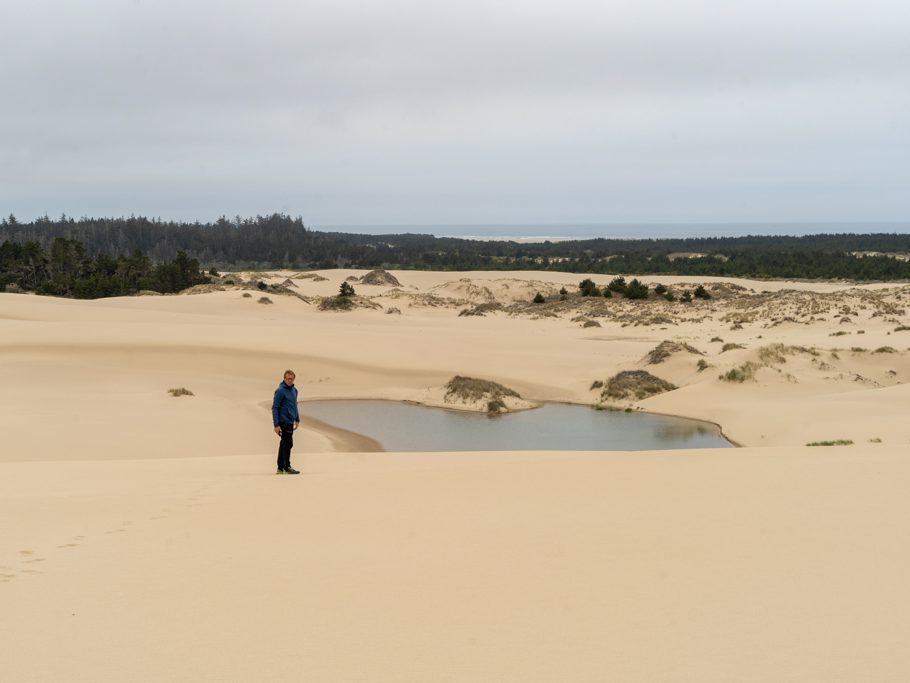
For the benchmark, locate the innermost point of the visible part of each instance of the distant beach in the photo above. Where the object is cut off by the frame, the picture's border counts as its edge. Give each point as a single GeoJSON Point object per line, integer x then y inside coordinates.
{"type": "Point", "coordinates": [561, 232]}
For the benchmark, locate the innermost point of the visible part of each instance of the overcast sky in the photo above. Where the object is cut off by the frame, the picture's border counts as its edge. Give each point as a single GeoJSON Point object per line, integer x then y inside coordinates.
{"type": "Point", "coordinates": [457, 112]}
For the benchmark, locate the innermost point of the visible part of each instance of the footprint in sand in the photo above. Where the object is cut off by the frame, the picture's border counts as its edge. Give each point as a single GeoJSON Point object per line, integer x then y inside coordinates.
{"type": "Point", "coordinates": [34, 559]}
{"type": "Point", "coordinates": [26, 552]}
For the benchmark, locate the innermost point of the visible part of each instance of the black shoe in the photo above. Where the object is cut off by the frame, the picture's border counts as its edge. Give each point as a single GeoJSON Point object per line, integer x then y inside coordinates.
{"type": "Point", "coordinates": [280, 471]}
{"type": "Point", "coordinates": [291, 470]}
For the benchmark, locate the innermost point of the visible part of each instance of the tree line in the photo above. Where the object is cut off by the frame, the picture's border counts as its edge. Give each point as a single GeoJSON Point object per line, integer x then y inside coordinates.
{"type": "Point", "coordinates": [278, 240]}
{"type": "Point", "coordinates": [63, 268]}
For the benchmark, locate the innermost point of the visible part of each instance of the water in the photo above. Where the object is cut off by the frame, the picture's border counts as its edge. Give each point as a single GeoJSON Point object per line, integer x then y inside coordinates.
{"type": "Point", "coordinates": [554, 426]}
{"type": "Point", "coordinates": [584, 231]}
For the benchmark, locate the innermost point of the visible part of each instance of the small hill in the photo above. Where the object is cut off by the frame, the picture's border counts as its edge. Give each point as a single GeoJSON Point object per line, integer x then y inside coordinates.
{"type": "Point", "coordinates": [665, 349]}
{"type": "Point", "coordinates": [380, 277]}
{"type": "Point", "coordinates": [634, 385]}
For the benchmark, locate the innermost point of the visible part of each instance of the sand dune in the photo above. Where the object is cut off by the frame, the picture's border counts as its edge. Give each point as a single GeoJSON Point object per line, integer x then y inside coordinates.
{"type": "Point", "coordinates": [146, 538]}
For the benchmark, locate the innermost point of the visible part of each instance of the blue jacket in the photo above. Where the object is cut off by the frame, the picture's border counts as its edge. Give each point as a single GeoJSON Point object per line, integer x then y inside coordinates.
{"type": "Point", "coordinates": [284, 405]}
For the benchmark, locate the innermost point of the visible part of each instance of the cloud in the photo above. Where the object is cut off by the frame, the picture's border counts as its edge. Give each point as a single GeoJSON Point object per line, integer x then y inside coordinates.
{"type": "Point", "coordinates": [458, 112]}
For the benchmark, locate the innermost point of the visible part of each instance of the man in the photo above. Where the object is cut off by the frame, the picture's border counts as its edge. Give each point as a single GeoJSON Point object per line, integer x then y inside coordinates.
{"type": "Point", "coordinates": [285, 420]}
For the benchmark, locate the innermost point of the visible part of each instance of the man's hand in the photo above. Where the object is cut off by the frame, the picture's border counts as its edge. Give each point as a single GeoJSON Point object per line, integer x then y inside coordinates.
{"type": "Point", "coordinates": [278, 431]}
{"type": "Point", "coordinates": [296, 425]}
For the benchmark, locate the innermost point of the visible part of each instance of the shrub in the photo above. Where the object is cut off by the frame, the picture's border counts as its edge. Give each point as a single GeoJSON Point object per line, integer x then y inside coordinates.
{"type": "Point", "coordinates": [587, 288]}
{"type": "Point", "coordinates": [717, 339]}
{"type": "Point", "coordinates": [667, 348]}
{"type": "Point", "coordinates": [229, 282]}
{"type": "Point", "coordinates": [214, 271]}
{"type": "Point", "coordinates": [607, 293]}
{"type": "Point", "coordinates": [701, 292]}
{"type": "Point", "coordinates": [539, 299]}
{"type": "Point", "coordinates": [660, 289]}
{"type": "Point", "coordinates": [839, 333]}
{"type": "Point", "coordinates": [182, 391]}
{"type": "Point", "coordinates": [264, 300]}
{"type": "Point", "coordinates": [636, 384]}
{"type": "Point", "coordinates": [836, 442]}
{"type": "Point", "coordinates": [744, 372]}
{"type": "Point", "coordinates": [563, 294]}
{"type": "Point", "coordinates": [596, 384]}
{"type": "Point", "coordinates": [686, 296]}
{"type": "Point", "coordinates": [902, 328]}
{"type": "Point", "coordinates": [670, 296]}
{"type": "Point", "coordinates": [730, 346]}
{"type": "Point", "coordinates": [702, 364]}
{"type": "Point", "coordinates": [885, 349]}
{"type": "Point", "coordinates": [380, 277]}
{"type": "Point", "coordinates": [471, 389]}
{"type": "Point", "coordinates": [496, 406]}
{"type": "Point", "coordinates": [336, 303]}
{"type": "Point", "coordinates": [247, 295]}
{"type": "Point", "coordinates": [261, 285]}
{"type": "Point", "coordinates": [346, 289]}
{"type": "Point", "coordinates": [618, 285]}
{"type": "Point", "coordinates": [636, 290]}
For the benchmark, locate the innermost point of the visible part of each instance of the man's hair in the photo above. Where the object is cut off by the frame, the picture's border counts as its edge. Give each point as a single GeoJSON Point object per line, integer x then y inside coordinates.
{"type": "Point", "coordinates": [290, 372]}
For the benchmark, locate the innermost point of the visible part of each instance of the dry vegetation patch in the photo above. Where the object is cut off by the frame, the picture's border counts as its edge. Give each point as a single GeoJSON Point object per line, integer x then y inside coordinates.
{"type": "Point", "coordinates": [380, 277]}
{"type": "Point", "coordinates": [481, 309]}
{"type": "Point", "coordinates": [470, 390]}
{"type": "Point", "coordinates": [634, 384]}
{"type": "Point", "coordinates": [667, 348]}
{"type": "Point", "coordinates": [346, 303]}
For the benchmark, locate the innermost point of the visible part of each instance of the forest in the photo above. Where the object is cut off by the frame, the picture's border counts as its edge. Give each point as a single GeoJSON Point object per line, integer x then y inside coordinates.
{"type": "Point", "coordinates": [112, 250]}
{"type": "Point", "coordinates": [64, 269]}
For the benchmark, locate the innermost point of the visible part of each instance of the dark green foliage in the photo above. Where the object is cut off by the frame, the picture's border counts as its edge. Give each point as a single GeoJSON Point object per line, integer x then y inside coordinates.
{"type": "Point", "coordinates": [686, 296]}
{"type": "Point", "coordinates": [587, 288]}
{"type": "Point", "coordinates": [563, 294]}
{"type": "Point", "coordinates": [214, 272]}
{"type": "Point", "coordinates": [701, 293]}
{"type": "Point", "coordinates": [538, 298]}
{"type": "Point", "coordinates": [636, 290]}
{"type": "Point", "coordinates": [670, 296]}
{"type": "Point", "coordinates": [618, 285]}
{"type": "Point", "coordinates": [346, 289]}
{"type": "Point", "coordinates": [660, 290]}
{"type": "Point", "coordinates": [64, 269]}
{"type": "Point", "coordinates": [278, 240]}
{"type": "Point", "coordinates": [496, 406]}
{"type": "Point", "coordinates": [607, 293]}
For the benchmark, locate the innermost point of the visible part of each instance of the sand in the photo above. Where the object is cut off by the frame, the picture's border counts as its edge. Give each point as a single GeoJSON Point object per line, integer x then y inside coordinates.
{"type": "Point", "coordinates": [145, 537]}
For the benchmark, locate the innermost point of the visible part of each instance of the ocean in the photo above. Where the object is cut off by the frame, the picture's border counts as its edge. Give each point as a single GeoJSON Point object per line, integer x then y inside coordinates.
{"type": "Point", "coordinates": [529, 232]}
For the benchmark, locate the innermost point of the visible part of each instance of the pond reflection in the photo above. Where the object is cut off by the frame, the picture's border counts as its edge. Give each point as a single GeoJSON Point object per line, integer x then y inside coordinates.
{"type": "Point", "coordinates": [554, 426]}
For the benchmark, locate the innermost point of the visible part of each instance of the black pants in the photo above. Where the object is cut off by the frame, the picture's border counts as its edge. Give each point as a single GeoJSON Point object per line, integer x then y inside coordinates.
{"type": "Point", "coordinates": [287, 443]}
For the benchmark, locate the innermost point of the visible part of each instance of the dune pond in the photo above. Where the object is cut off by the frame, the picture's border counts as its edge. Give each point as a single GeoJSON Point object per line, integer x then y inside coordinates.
{"type": "Point", "coordinates": [554, 426]}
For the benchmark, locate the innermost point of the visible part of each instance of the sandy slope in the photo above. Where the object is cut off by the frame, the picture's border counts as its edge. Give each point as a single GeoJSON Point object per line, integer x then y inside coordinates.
{"type": "Point", "coordinates": [781, 564]}
{"type": "Point", "coordinates": [142, 540]}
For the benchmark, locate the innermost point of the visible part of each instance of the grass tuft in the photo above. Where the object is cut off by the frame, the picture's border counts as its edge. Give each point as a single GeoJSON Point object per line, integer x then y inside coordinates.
{"type": "Point", "coordinates": [836, 442]}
